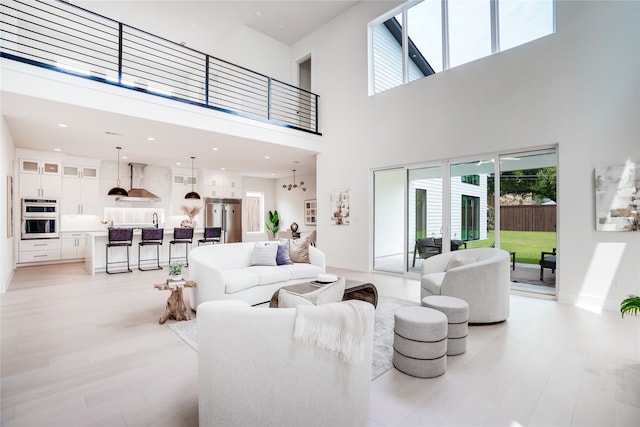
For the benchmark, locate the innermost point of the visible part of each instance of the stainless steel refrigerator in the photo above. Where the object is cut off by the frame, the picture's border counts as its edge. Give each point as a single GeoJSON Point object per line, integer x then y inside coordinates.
{"type": "Point", "coordinates": [226, 214]}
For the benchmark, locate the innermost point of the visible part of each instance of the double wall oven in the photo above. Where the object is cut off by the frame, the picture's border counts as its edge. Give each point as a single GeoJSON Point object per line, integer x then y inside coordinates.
{"type": "Point", "coordinates": [40, 219]}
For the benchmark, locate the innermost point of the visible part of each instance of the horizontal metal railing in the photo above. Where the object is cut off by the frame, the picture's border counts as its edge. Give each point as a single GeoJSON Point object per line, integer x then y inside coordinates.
{"type": "Point", "coordinates": [60, 36]}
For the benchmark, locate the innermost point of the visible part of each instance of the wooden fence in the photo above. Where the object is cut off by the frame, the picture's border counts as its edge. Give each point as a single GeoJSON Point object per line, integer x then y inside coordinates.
{"type": "Point", "coordinates": [528, 218]}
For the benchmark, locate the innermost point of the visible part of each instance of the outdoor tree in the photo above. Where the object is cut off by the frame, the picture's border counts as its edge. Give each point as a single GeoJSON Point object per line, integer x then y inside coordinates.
{"type": "Point", "coordinates": [539, 183]}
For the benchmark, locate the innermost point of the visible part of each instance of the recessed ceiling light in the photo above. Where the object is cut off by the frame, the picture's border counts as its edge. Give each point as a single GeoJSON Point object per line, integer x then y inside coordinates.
{"type": "Point", "coordinates": [215, 148]}
{"type": "Point", "coordinates": [267, 157]}
{"type": "Point", "coordinates": [57, 149]}
{"type": "Point", "coordinates": [125, 157]}
{"type": "Point", "coordinates": [282, 27]}
{"type": "Point", "coordinates": [62, 125]}
{"type": "Point", "coordinates": [178, 163]}
{"type": "Point", "coordinates": [151, 138]}
{"type": "Point", "coordinates": [223, 169]}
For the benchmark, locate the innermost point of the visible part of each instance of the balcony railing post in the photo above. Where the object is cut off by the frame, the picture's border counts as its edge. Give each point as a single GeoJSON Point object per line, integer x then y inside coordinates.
{"type": "Point", "coordinates": [120, 48]}
{"type": "Point", "coordinates": [317, 96]}
{"type": "Point", "coordinates": [269, 98]}
{"type": "Point", "coordinates": [206, 81]}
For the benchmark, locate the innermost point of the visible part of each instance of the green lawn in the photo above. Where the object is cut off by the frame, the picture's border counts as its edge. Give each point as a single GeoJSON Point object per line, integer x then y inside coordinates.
{"type": "Point", "coordinates": [526, 244]}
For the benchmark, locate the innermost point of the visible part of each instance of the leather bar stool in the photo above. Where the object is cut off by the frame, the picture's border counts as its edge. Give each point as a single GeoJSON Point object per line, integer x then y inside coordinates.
{"type": "Point", "coordinates": [151, 237]}
{"type": "Point", "coordinates": [211, 235]}
{"type": "Point", "coordinates": [181, 235]}
{"type": "Point", "coordinates": [118, 238]}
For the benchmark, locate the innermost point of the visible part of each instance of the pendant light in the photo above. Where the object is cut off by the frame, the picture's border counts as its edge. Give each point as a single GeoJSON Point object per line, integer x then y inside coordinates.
{"type": "Point", "coordinates": [192, 194]}
{"type": "Point", "coordinates": [294, 185]}
{"type": "Point", "coordinates": [117, 190]}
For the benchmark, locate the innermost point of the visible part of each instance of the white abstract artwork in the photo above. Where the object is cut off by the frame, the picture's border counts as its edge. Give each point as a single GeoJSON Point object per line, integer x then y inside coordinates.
{"type": "Point", "coordinates": [340, 206]}
{"type": "Point", "coordinates": [618, 197]}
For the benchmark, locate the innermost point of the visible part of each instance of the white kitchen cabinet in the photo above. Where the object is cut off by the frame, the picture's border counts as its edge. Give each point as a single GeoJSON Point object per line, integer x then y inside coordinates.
{"type": "Point", "coordinates": [38, 250]}
{"type": "Point", "coordinates": [220, 184]}
{"type": "Point", "coordinates": [72, 245]}
{"type": "Point", "coordinates": [40, 179]}
{"type": "Point", "coordinates": [79, 190]}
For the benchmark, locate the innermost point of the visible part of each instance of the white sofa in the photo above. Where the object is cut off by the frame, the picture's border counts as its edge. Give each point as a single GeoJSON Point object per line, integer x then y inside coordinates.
{"type": "Point", "coordinates": [223, 271]}
{"type": "Point", "coordinates": [480, 276]}
{"type": "Point", "coordinates": [252, 372]}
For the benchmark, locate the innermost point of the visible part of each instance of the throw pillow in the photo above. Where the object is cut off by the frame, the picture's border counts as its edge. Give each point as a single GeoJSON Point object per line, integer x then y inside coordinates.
{"type": "Point", "coordinates": [282, 257]}
{"type": "Point", "coordinates": [299, 250]}
{"type": "Point", "coordinates": [288, 299]}
{"type": "Point", "coordinates": [264, 254]}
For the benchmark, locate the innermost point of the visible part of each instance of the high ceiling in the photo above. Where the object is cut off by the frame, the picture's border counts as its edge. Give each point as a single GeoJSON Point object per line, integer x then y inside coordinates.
{"type": "Point", "coordinates": [94, 134]}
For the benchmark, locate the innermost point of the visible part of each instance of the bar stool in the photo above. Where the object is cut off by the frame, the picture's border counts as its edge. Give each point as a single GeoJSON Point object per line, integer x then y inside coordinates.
{"type": "Point", "coordinates": [182, 235]}
{"type": "Point", "coordinates": [119, 237]}
{"type": "Point", "coordinates": [151, 237]}
{"type": "Point", "coordinates": [211, 235]}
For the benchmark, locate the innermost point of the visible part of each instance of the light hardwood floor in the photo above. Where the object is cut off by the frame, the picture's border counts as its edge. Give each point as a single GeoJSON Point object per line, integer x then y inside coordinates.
{"type": "Point", "coordinates": [80, 350]}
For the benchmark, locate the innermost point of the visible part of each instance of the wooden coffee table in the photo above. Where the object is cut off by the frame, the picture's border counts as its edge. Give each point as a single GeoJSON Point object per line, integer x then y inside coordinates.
{"type": "Point", "coordinates": [353, 290]}
{"type": "Point", "coordinates": [175, 304]}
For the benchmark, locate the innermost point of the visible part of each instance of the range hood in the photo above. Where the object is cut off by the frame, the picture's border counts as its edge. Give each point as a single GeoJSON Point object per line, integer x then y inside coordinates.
{"type": "Point", "coordinates": [137, 192]}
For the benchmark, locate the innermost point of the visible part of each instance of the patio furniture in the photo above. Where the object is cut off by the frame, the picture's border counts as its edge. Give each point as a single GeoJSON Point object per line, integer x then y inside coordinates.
{"type": "Point", "coordinates": [547, 260]}
{"type": "Point", "coordinates": [420, 341]}
{"type": "Point", "coordinates": [425, 248]}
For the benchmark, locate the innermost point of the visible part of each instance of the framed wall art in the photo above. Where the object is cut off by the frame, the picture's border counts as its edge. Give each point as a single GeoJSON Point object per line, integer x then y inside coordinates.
{"type": "Point", "coordinates": [310, 212]}
{"type": "Point", "coordinates": [339, 204]}
{"type": "Point", "coordinates": [617, 191]}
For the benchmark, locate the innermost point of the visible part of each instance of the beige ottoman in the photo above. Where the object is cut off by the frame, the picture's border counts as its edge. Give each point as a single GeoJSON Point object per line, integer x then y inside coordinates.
{"type": "Point", "coordinates": [457, 312]}
{"type": "Point", "coordinates": [420, 341]}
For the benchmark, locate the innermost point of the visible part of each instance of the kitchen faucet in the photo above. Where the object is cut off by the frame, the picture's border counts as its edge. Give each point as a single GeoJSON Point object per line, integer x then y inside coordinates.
{"type": "Point", "coordinates": [155, 220]}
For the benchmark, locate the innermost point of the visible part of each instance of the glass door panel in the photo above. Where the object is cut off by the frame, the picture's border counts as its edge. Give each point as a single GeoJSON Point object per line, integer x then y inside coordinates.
{"type": "Point", "coordinates": [472, 213]}
{"type": "Point", "coordinates": [528, 203]}
{"type": "Point", "coordinates": [388, 220]}
{"type": "Point", "coordinates": [424, 200]}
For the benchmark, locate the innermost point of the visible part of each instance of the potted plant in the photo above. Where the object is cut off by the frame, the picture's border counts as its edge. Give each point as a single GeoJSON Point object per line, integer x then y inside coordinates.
{"type": "Point", "coordinates": [175, 270]}
{"type": "Point", "coordinates": [273, 224]}
{"type": "Point", "coordinates": [630, 305]}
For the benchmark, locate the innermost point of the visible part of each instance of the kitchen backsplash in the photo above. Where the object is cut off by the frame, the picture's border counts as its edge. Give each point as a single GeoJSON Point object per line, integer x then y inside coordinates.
{"type": "Point", "coordinates": [133, 216]}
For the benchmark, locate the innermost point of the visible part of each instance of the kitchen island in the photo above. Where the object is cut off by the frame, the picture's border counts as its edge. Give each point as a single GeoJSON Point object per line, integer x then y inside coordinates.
{"type": "Point", "coordinates": [96, 241]}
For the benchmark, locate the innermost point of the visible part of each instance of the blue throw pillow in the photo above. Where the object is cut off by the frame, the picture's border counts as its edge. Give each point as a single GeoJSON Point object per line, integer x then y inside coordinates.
{"type": "Point", "coordinates": [282, 257]}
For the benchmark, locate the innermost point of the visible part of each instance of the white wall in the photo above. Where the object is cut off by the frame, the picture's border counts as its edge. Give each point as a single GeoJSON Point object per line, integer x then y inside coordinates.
{"type": "Point", "coordinates": [7, 261]}
{"type": "Point", "coordinates": [578, 88]}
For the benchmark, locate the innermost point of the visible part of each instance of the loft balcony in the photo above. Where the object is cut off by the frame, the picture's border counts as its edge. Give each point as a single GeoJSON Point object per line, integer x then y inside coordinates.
{"type": "Point", "coordinates": [62, 37]}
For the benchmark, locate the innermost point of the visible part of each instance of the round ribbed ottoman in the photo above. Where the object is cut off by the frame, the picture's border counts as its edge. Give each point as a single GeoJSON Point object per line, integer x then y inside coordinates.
{"type": "Point", "coordinates": [420, 341]}
{"type": "Point", "coordinates": [457, 312]}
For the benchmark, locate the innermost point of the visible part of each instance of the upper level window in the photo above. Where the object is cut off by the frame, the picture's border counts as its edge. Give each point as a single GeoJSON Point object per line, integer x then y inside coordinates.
{"type": "Point", "coordinates": [423, 37]}
{"type": "Point", "coordinates": [471, 179]}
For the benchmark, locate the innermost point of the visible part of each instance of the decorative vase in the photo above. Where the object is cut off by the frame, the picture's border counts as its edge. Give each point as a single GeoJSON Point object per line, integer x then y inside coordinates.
{"type": "Point", "coordinates": [175, 277]}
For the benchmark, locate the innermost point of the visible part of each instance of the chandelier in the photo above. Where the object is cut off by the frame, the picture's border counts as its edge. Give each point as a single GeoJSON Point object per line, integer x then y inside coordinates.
{"type": "Point", "coordinates": [294, 185]}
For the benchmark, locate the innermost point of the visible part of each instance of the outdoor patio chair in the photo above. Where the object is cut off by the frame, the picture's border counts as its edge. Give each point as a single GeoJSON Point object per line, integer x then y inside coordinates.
{"type": "Point", "coordinates": [547, 260]}
{"type": "Point", "coordinates": [426, 248]}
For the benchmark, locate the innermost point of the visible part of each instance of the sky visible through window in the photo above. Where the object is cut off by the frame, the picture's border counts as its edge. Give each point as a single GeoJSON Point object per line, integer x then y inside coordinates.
{"type": "Point", "coordinates": [520, 21]}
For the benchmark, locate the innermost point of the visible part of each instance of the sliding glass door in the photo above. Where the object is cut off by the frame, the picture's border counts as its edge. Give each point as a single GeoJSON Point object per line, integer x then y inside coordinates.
{"type": "Point", "coordinates": [453, 206]}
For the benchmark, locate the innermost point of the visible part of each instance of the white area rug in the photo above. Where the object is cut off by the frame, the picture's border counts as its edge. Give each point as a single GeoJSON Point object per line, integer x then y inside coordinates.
{"type": "Point", "coordinates": [382, 334]}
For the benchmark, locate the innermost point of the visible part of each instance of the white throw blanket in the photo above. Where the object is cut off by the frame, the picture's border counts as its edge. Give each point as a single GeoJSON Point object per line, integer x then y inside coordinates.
{"type": "Point", "coordinates": [338, 327]}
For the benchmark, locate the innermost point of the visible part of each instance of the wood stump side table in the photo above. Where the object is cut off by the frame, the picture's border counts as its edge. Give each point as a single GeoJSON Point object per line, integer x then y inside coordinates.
{"type": "Point", "coordinates": [175, 304]}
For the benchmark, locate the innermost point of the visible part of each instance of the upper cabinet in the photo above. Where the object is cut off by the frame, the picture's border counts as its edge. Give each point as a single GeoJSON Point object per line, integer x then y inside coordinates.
{"type": "Point", "coordinates": [40, 179]}
{"type": "Point", "coordinates": [221, 185]}
{"type": "Point", "coordinates": [80, 188]}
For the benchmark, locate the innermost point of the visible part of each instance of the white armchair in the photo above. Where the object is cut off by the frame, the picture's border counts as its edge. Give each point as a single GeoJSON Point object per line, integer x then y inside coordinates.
{"type": "Point", "coordinates": [480, 276]}
{"type": "Point", "coordinates": [253, 373]}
